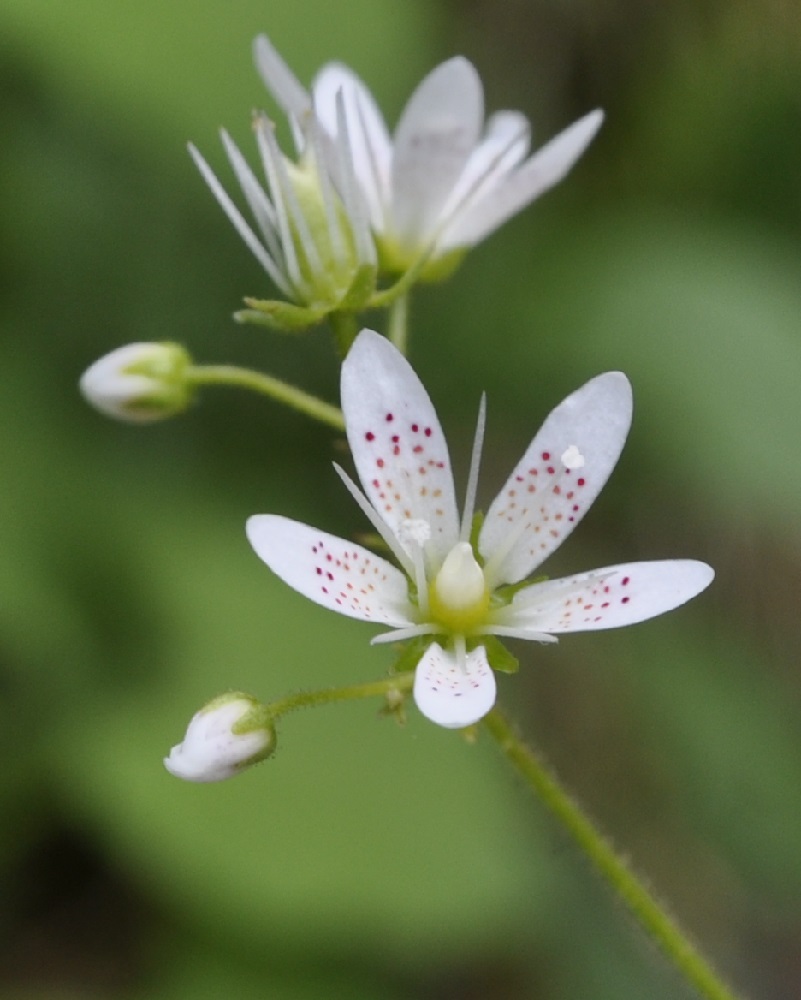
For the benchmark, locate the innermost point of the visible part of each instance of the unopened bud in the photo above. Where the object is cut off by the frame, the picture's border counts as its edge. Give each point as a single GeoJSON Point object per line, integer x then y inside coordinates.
{"type": "Point", "coordinates": [223, 738]}
{"type": "Point", "coordinates": [140, 382]}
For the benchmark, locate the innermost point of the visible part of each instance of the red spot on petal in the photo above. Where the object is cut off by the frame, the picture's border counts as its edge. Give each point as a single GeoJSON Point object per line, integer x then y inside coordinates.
{"type": "Point", "coordinates": [389, 418]}
{"type": "Point", "coordinates": [427, 432]}
{"type": "Point", "coordinates": [415, 428]}
{"type": "Point", "coordinates": [380, 463]}
{"type": "Point", "coordinates": [625, 581]}
{"type": "Point", "coordinates": [546, 456]}
{"type": "Point", "coordinates": [625, 600]}
{"type": "Point", "coordinates": [581, 482]}
{"type": "Point", "coordinates": [369, 436]}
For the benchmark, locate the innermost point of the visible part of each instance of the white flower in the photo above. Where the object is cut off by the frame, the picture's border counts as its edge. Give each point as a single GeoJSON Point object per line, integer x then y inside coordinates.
{"type": "Point", "coordinates": [460, 591]}
{"type": "Point", "coordinates": [222, 739]}
{"type": "Point", "coordinates": [447, 179]}
{"type": "Point", "coordinates": [315, 241]}
{"type": "Point", "coordinates": [140, 382]}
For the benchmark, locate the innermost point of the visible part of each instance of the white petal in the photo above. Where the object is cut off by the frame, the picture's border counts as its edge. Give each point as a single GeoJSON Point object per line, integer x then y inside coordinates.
{"type": "Point", "coordinates": [542, 501]}
{"type": "Point", "coordinates": [451, 695]}
{"type": "Point", "coordinates": [370, 143]}
{"type": "Point", "coordinates": [608, 598]}
{"type": "Point", "coordinates": [331, 571]}
{"type": "Point", "coordinates": [288, 91]}
{"type": "Point", "coordinates": [505, 144]}
{"type": "Point", "coordinates": [542, 171]}
{"type": "Point", "coordinates": [438, 130]}
{"type": "Point", "coordinates": [397, 444]}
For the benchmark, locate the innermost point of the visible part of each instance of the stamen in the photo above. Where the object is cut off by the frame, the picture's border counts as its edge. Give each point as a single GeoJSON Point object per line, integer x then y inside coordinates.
{"type": "Point", "coordinates": [260, 204]}
{"type": "Point", "coordinates": [415, 533]}
{"type": "Point", "coordinates": [238, 221]}
{"type": "Point", "coordinates": [472, 479]}
{"type": "Point", "coordinates": [271, 157]}
{"type": "Point", "coordinates": [460, 649]}
{"type": "Point", "coordinates": [326, 189]}
{"type": "Point", "coordinates": [572, 458]}
{"type": "Point", "coordinates": [412, 632]}
{"type": "Point", "coordinates": [380, 526]}
{"type": "Point", "coordinates": [355, 202]}
{"type": "Point", "coordinates": [517, 633]}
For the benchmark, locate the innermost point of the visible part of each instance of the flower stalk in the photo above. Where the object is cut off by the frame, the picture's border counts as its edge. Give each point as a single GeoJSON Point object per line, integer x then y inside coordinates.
{"type": "Point", "coordinates": [657, 923]}
{"type": "Point", "coordinates": [267, 385]}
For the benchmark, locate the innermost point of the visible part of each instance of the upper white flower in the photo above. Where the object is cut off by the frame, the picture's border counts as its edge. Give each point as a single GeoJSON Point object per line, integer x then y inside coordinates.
{"type": "Point", "coordinates": [459, 590]}
{"type": "Point", "coordinates": [448, 178]}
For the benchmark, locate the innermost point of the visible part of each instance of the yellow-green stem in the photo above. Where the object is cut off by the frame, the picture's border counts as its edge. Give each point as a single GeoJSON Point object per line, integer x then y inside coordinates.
{"type": "Point", "coordinates": [327, 696]}
{"type": "Point", "coordinates": [398, 323]}
{"type": "Point", "coordinates": [652, 917]}
{"type": "Point", "coordinates": [289, 395]}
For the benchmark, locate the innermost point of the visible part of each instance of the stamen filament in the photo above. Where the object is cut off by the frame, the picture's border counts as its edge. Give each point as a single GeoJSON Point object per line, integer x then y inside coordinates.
{"type": "Point", "coordinates": [472, 479]}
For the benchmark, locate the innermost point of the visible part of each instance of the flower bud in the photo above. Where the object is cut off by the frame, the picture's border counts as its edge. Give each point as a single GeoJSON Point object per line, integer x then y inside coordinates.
{"type": "Point", "coordinates": [223, 738]}
{"type": "Point", "coordinates": [140, 382]}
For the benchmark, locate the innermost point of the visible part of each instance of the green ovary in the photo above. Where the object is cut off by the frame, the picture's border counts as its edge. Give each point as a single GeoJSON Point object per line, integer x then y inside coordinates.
{"type": "Point", "coordinates": [458, 597]}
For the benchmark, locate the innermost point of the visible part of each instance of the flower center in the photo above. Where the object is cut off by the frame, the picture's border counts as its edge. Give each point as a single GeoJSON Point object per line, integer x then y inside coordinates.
{"type": "Point", "coordinates": [458, 596]}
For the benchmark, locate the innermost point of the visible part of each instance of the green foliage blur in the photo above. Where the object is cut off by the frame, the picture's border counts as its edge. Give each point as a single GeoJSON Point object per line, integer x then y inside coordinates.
{"type": "Point", "coordinates": [367, 860]}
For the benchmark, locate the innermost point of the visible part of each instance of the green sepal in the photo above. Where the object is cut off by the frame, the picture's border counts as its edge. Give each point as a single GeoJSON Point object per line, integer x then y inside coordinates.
{"type": "Point", "coordinates": [360, 290]}
{"type": "Point", "coordinates": [279, 315]}
{"type": "Point", "coordinates": [498, 656]}
{"type": "Point", "coordinates": [411, 654]}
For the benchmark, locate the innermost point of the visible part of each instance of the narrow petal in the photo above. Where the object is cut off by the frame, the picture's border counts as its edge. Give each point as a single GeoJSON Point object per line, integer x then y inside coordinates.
{"type": "Point", "coordinates": [331, 571]}
{"type": "Point", "coordinates": [450, 694]}
{"type": "Point", "coordinates": [607, 598]}
{"type": "Point", "coordinates": [370, 144]}
{"type": "Point", "coordinates": [542, 171]}
{"type": "Point", "coordinates": [544, 499]}
{"type": "Point", "coordinates": [438, 131]}
{"type": "Point", "coordinates": [288, 91]}
{"type": "Point", "coordinates": [398, 445]}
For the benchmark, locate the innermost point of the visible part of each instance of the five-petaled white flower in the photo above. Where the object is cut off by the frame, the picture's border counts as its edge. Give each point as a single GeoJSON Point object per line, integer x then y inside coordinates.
{"type": "Point", "coordinates": [447, 179]}
{"type": "Point", "coordinates": [457, 591]}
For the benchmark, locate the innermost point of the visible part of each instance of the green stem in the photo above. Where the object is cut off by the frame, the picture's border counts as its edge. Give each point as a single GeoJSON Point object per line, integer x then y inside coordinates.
{"type": "Point", "coordinates": [289, 395]}
{"type": "Point", "coordinates": [309, 699]}
{"type": "Point", "coordinates": [345, 327]}
{"type": "Point", "coordinates": [659, 926]}
{"type": "Point", "coordinates": [398, 322]}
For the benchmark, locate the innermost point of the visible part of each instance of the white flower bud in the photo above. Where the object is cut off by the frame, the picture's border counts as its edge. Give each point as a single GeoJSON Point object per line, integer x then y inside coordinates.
{"type": "Point", "coordinates": [222, 739]}
{"type": "Point", "coordinates": [140, 382]}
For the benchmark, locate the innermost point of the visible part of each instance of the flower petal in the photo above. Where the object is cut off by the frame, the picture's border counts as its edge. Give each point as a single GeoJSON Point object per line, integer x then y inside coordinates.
{"type": "Point", "coordinates": [506, 142]}
{"type": "Point", "coordinates": [331, 571]}
{"type": "Point", "coordinates": [398, 445]}
{"type": "Point", "coordinates": [370, 144]}
{"type": "Point", "coordinates": [542, 171]}
{"type": "Point", "coordinates": [437, 132]}
{"type": "Point", "coordinates": [288, 91]}
{"type": "Point", "coordinates": [451, 695]}
{"type": "Point", "coordinates": [544, 499]}
{"type": "Point", "coordinates": [608, 598]}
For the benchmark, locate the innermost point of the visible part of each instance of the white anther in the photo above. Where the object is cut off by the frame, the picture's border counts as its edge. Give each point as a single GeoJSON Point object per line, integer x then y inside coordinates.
{"type": "Point", "coordinates": [572, 458]}
{"type": "Point", "coordinates": [414, 530]}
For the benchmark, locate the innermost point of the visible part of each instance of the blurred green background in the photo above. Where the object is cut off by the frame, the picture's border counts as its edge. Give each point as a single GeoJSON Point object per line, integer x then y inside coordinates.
{"type": "Point", "coordinates": [367, 860]}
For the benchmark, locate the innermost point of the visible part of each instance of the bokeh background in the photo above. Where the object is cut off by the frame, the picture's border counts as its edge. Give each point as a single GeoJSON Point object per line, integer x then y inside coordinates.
{"type": "Point", "coordinates": [368, 860]}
